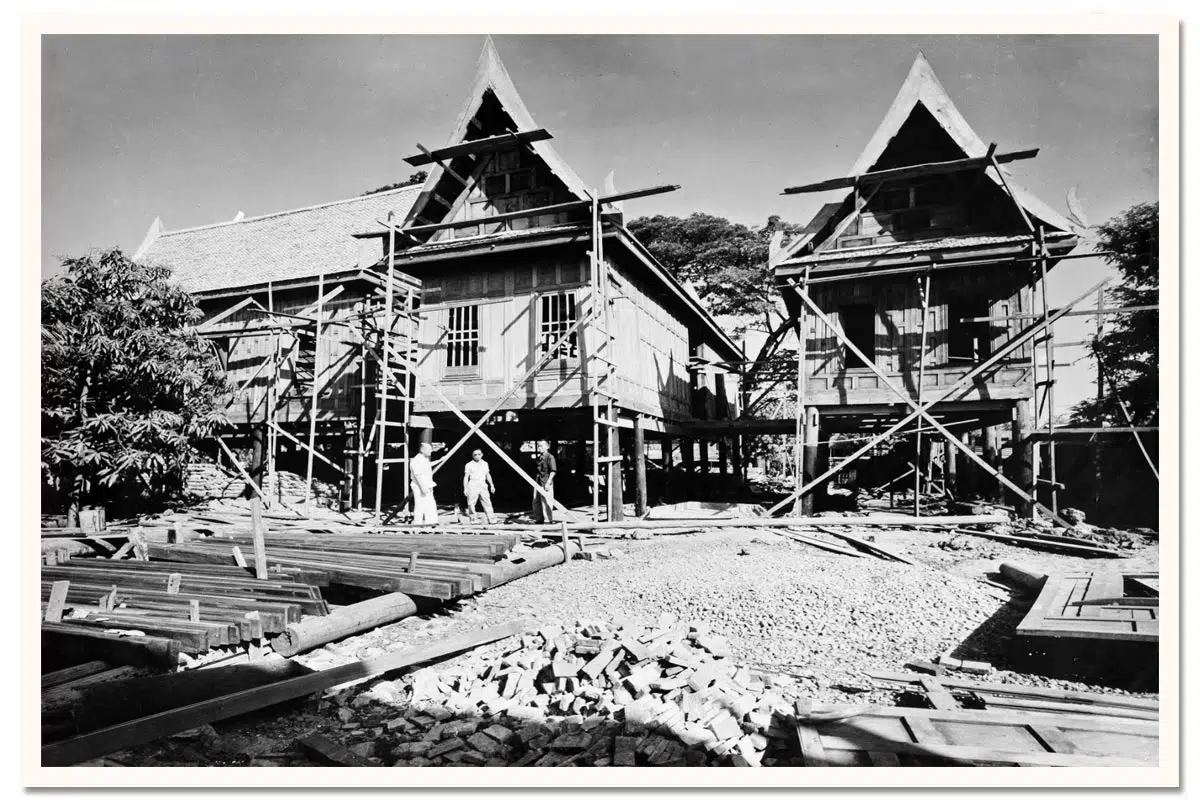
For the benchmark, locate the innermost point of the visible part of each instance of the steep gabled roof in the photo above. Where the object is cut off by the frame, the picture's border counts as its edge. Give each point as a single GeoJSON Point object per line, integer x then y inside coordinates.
{"type": "Point", "coordinates": [301, 243]}
{"type": "Point", "coordinates": [922, 88]}
{"type": "Point", "coordinates": [492, 78]}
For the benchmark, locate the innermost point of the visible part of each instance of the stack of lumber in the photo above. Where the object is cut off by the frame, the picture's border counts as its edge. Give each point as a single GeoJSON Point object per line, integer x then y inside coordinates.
{"type": "Point", "coordinates": [197, 606]}
{"type": "Point", "coordinates": [442, 566]}
{"type": "Point", "coordinates": [155, 726]}
{"type": "Point", "coordinates": [944, 692]}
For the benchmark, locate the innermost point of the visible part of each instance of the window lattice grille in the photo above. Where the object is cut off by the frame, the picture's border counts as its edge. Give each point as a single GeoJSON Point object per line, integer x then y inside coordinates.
{"type": "Point", "coordinates": [462, 337]}
{"type": "Point", "coordinates": [558, 313]}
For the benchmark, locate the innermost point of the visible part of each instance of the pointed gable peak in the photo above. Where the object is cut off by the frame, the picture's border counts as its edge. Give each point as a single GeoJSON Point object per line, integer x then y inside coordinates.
{"type": "Point", "coordinates": [494, 107]}
{"type": "Point", "coordinates": [922, 88]}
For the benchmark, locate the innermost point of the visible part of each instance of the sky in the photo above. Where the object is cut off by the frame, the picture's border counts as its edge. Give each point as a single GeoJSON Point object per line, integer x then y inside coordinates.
{"type": "Point", "coordinates": [193, 129]}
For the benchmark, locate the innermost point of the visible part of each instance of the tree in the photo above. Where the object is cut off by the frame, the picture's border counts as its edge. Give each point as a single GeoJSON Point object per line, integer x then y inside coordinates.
{"type": "Point", "coordinates": [1127, 353]}
{"type": "Point", "coordinates": [126, 383]}
{"type": "Point", "coordinates": [726, 262]}
{"type": "Point", "coordinates": [417, 177]}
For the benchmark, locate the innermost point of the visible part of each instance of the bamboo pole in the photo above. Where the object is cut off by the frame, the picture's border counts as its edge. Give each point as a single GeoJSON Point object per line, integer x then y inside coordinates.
{"type": "Point", "coordinates": [385, 373]}
{"type": "Point", "coordinates": [801, 386]}
{"type": "Point", "coordinates": [316, 390]}
{"type": "Point", "coordinates": [924, 286]}
{"type": "Point", "coordinates": [1048, 339]}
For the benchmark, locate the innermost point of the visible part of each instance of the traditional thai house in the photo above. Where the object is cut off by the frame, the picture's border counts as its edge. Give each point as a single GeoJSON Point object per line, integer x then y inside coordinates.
{"type": "Point", "coordinates": [911, 287]}
{"type": "Point", "coordinates": [502, 291]}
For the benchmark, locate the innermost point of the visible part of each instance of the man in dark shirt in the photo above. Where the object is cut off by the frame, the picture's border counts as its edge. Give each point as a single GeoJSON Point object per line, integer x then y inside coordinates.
{"type": "Point", "coordinates": [547, 466]}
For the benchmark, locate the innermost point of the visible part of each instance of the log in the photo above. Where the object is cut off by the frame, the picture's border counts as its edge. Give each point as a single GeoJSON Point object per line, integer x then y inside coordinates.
{"type": "Point", "coordinates": [537, 560]}
{"type": "Point", "coordinates": [346, 621]}
{"type": "Point", "coordinates": [349, 620]}
{"type": "Point", "coordinates": [1023, 575]}
{"type": "Point", "coordinates": [156, 726]}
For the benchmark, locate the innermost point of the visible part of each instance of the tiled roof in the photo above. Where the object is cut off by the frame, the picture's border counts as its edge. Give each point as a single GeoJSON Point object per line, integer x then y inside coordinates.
{"type": "Point", "coordinates": [302, 243]}
{"type": "Point", "coordinates": [918, 246]}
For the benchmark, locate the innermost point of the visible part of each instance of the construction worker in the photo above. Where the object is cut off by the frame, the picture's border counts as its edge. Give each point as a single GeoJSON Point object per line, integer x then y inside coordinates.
{"type": "Point", "coordinates": [547, 466]}
{"type": "Point", "coordinates": [478, 485]}
{"type": "Point", "coordinates": [421, 480]}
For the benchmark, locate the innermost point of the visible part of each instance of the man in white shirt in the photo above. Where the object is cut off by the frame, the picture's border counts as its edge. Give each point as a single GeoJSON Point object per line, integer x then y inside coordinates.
{"type": "Point", "coordinates": [478, 485]}
{"type": "Point", "coordinates": [421, 481]}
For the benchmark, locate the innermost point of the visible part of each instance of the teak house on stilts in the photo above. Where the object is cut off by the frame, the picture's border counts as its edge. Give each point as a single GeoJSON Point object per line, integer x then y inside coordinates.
{"type": "Point", "coordinates": [919, 300]}
{"type": "Point", "coordinates": [500, 302]}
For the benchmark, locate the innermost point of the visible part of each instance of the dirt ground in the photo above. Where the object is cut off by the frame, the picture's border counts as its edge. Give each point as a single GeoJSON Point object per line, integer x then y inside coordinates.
{"type": "Point", "coordinates": [818, 621]}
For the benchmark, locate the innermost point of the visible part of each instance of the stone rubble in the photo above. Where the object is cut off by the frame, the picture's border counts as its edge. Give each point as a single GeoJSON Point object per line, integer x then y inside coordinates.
{"type": "Point", "coordinates": [592, 694]}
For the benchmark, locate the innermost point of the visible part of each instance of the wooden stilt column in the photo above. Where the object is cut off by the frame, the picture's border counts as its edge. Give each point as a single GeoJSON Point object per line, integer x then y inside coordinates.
{"type": "Point", "coordinates": [1022, 444]}
{"type": "Point", "coordinates": [704, 483]}
{"type": "Point", "coordinates": [950, 475]}
{"type": "Point", "coordinates": [723, 460]}
{"type": "Point", "coordinates": [616, 492]}
{"type": "Point", "coordinates": [812, 423]}
{"type": "Point", "coordinates": [991, 454]}
{"type": "Point", "coordinates": [739, 463]}
{"type": "Point", "coordinates": [687, 455]}
{"type": "Point", "coordinates": [639, 466]}
{"type": "Point", "coordinates": [668, 465]}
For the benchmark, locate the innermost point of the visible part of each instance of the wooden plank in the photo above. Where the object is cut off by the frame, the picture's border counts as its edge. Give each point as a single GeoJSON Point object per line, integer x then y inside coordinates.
{"type": "Point", "coordinates": [238, 558]}
{"type": "Point", "coordinates": [257, 530]}
{"type": "Point", "coordinates": [871, 546]}
{"type": "Point", "coordinates": [329, 753]}
{"type": "Point", "coordinates": [937, 694]}
{"type": "Point", "coordinates": [810, 746]}
{"type": "Point", "coordinates": [58, 601]}
{"type": "Point", "coordinates": [476, 147]}
{"type": "Point", "coordinates": [914, 171]}
{"type": "Point", "coordinates": [76, 672]}
{"type": "Point", "coordinates": [122, 551]}
{"type": "Point", "coordinates": [1015, 690]}
{"type": "Point", "coordinates": [157, 726]}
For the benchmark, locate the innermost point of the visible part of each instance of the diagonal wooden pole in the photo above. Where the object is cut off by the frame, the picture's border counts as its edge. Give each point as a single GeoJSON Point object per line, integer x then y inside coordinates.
{"type": "Point", "coordinates": [237, 465]}
{"type": "Point", "coordinates": [496, 406]}
{"type": "Point", "coordinates": [503, 455]}
{"type": "Point", "coordinates": [922, 410]}
{"type": "Point", "coordinates": [1012, 344]}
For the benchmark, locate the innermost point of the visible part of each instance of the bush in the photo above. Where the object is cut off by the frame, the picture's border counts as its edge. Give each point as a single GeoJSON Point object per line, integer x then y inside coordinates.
{"type": "Point", "coordinates": [127, 384]}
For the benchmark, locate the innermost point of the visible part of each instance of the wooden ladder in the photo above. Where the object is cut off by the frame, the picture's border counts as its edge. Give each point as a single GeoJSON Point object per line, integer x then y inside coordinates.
{"type": "Point", "coordinates": [603, 369]}
{"type": "Point", "coordinates": [396, 386]}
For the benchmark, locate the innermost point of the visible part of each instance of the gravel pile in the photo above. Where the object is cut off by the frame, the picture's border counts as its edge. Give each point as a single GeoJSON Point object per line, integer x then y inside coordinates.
{"type": "Point", "coordinates": [822, 618]}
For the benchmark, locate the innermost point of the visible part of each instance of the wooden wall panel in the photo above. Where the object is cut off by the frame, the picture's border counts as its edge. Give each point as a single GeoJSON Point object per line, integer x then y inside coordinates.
{"type": "Point", "coordinates": [336, 357]}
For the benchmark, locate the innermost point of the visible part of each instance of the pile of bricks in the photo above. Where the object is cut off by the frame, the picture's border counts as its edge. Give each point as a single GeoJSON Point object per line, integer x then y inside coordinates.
{"type": "Point", "coordinates": [595, 695]}
{"type": "Point", "coordinates": [208, 480]}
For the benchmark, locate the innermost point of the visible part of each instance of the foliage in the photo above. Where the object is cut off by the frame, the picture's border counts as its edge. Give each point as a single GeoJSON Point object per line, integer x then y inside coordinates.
{"type": "Point", "coordinates": [1128, 350]}
{"type": "Point", "coordinates": [417, 177]}
{"type": "Point", "coordinates": [726, 263]}
{"type": "Point", "coordinates": [126, 385]}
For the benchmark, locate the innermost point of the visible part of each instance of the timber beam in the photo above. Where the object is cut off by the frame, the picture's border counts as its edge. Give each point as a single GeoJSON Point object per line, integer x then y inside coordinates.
{"type": "Point", "coordinates": [914, 171]}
